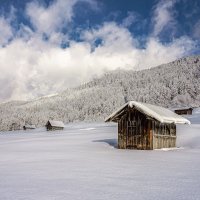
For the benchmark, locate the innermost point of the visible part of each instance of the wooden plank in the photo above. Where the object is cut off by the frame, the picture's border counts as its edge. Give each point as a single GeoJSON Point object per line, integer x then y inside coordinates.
{"type": "Point", "coordinates": [136, 131]}
{"type": "Point", "coordinates": [149, 135]}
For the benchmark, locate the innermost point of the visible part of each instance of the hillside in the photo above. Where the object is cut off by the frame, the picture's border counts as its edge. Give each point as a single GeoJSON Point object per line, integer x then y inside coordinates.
{"type": "Point", "coordinates": [173, 84]}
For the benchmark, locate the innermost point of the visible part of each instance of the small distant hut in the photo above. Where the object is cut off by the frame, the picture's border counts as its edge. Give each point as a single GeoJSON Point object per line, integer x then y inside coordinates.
{"type": "Point", "coordinates": [15, 126]}
{"type": "Point", "coordinates": [54, 125]}
{"type": "Point", "coordinates": [28, 126]}
{"type": "Point", "coordinates": [145, 126]}
{"type": "Point", "coordinates": [183, 111]}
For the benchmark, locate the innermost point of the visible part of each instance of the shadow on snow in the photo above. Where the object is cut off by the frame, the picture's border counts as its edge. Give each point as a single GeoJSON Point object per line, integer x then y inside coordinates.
{"type": "Point", "coordinates": [111, 142]}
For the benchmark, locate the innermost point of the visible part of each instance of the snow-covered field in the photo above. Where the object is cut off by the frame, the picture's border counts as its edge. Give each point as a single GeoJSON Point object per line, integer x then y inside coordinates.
{"type": "Point", "coordinates": [195, 117]}
{"type": "Point", "coordinates": [82, 163]}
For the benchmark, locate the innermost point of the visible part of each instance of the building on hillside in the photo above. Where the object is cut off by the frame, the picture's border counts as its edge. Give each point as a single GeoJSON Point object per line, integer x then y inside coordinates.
{"type": "Point", "coordinates": [28, 126]}
{"type": "Point", "coordinates": [145, 126]}
{"type": "Point", "coordinates": [15, 126]}
{"type": "Point", "coordinates": [183, 111]}
{"type": "Point", "coordinates": [54, 125]}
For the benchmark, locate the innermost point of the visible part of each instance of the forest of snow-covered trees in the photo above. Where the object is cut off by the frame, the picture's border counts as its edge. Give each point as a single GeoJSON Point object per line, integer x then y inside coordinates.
{"type": "Point", "coordinates": [170, 85]}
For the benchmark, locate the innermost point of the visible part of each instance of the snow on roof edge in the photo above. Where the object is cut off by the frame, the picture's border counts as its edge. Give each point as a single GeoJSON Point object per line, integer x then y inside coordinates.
{"type": "Point", "coordinates": [30, 126]}
{"type": "Point", "coordinates": [116, 112]}
{"type": "Point", "coordinates": [181, 108]}
{"type": "Point", "coordinates": [56, 123]}
{"type": "Point", "coordinates": [161, 114]}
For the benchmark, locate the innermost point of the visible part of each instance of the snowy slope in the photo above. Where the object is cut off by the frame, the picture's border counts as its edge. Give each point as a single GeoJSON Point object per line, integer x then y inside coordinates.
{"type": "Point", "coordinates": [173, 84]}
{"type": "Point", "coordinates": [82, 163]}
{"type": "Point", "coordinates": [188, 136]}
{"type": "Point", "coordinates": [195, 117]}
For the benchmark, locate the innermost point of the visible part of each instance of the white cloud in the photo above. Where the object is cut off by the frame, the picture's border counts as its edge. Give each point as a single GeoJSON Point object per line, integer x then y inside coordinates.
{"type": "Point", "coordinates": [52, 18]}
{"type": "Point", "coordinates": [111, 35]}
{"type": "Point", "coordinates": [40, 67]}
{"type": "Point", "coordinates": [6, 31]}
{"type": "Point", "coordinates": [31, 66]}
{"type": "Point", "coordinates": [157, 53]}
{"type": "Point", "coordinates": [163, 16]}
{"type": "Point", "coordinates": [130, 19]}
{"type": "Point", "coordinates": [196, 31]}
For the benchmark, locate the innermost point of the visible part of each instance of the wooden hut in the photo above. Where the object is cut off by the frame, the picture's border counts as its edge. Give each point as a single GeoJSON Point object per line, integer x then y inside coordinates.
{"type": "Point", "coordinates": [28, 126]}
{"type": "Point", "coordinates": [54, 125]}
{"type": "Point", "coordinates": [145, 126]}
{"type": "Point", "coordinates": [183, 111]}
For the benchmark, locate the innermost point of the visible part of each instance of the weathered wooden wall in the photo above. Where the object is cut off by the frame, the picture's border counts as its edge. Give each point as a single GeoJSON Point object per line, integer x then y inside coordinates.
{"type": "Point", "coordinates": [122, 136]}
{"type": "Point", "coordinates": [53, 128]}
{"type": "Point", "coordinates": [137, 131]}
{"type": "Point", "coordinates": [134, 131]}
{"type": "Point", "coordinates": [164, 135]}
{"type": "Point", "coordinates": [184, 112]}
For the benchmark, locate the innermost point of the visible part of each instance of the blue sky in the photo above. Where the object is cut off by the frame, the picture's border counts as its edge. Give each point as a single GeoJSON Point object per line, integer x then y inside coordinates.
{"type": "Point", "coordinates": [186, 13]}
{"type": "Point", "coordinates": [48, 46]}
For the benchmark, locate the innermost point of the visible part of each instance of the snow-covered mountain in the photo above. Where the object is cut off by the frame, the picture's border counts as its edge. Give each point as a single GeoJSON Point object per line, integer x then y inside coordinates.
{"type": "Point", "coordinates": [173, 84]}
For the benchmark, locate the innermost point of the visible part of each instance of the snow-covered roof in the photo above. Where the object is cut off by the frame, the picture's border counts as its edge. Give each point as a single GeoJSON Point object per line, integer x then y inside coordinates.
{"type": "Point", "coordinates": [181, 108]}
{"type": "Point", "coordinates": [29, 126]}
{"type": "Point", "coordinates": [161, 114]}
{"type": "Point", "coordinates": [57, 123]}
